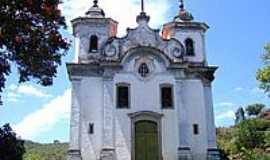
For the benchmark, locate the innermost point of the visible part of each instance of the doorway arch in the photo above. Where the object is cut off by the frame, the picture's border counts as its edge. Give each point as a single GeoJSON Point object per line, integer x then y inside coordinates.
{"type": "Point", "coordinates": [146, 138]}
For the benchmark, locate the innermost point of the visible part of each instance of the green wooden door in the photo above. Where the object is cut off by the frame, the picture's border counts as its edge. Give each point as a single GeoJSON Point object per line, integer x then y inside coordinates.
{"type": "Point", "coordinates": [146, 141]}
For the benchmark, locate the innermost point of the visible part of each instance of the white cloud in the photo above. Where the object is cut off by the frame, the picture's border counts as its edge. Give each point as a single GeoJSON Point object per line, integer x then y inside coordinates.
{"type": "Point", "coordinates": [226, 115]}
{"type": "Point", "coordinates": [225, 104]}
{"type": "Point", "coordinates": [13, 97]}
{"type": "Point", "coordinates": [12, 87]}
{"type": "Point", "coordinates": [123, 11]}
{"type": "Point", "coordinates": [30, 90]}
{"type": "Point", "coordinates": [257, 90]}
{"type": "Point", "coordinates": [239, 89]}
{"type": "Point", "coordinates": [16, 92]}
{"type": "Point", "coordinates": [45, 118]}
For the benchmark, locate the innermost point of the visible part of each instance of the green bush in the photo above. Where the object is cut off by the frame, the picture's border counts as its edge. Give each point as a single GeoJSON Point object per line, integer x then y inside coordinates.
{"type": "Point", "coordinates": [246, 141]}
{"type": "Point", "coordinates": [267, 139]}
{"type": "Point", "coordinates": [250, 134]}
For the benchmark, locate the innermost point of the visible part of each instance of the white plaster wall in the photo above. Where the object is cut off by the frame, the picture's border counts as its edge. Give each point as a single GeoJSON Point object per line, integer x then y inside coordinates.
{"type": "Point", "coordinates": [91, 112]}
{"type": "Point", "coordinates": [194, 100]}
{"type": "Point", "coordinates": [198, 39]}
{"type": "Point", "coordinates": [145, 96]}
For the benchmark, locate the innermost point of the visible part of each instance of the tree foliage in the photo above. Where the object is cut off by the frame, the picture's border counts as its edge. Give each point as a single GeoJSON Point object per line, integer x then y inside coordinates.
{"type": "Point", "coordinates": [11, 148]}
{"type": "Point", "coordinates": [51, 151]}
{"type": "Point", "coordinates": [30, 38]}
{"type": "Point", "coordinates": [247, 141]}
{"type": "Point", "coordinates": [249, 133]}
{"type": "Point", "coordinates": [255, 109]}
{"type": "Point", "coordinates": [263, 74]}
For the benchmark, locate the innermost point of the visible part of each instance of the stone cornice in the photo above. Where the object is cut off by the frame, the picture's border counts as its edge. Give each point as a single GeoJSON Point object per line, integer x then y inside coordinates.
{"type": "Point", "coordinates": [206, 73]}
{"type": "Point", "coordinates": [75, 69]}
{"type": "Point", "coordinates": [85, 20]}
{"type": "Point", "coordinates": [188, 25]}
{"type": "Point", "coordinates": [186, 71]}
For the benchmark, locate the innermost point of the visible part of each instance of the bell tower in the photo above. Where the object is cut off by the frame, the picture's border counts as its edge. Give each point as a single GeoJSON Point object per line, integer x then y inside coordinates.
{"type": "Point", "coordinates": [91, 32]}
{"type": "Point", "coordinates": [189, 32]}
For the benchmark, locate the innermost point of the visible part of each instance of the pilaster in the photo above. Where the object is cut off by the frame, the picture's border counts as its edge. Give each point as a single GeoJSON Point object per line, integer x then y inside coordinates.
{"type": "Point", "coordinates": [74, 152]}
{"type": "Point", "coordinates": [212, 152]}
{"type": "Point", "coordinates": [184, 151]}
{"type": "Point", "coordinates": [209, 110]}
{"type": "Point", "coordinates": [108, 151]}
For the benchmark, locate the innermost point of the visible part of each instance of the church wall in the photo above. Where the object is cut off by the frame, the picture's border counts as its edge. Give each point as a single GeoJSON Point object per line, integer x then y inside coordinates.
{"type": "Point", "coordinates": [198, 39]}
{"type": "Point", "coordinates": [193, 99]}
{"type": "Point", "coordinates": [91, 112]}
{"type": "Point", "coordinates": [143, 101]}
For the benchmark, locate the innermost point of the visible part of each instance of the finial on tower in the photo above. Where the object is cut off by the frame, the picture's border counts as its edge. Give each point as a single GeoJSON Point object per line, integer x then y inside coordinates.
{"type": "Point", "coordinates": [182, 5]}
{"type": "Point", "coordinates": [95, 11]}
{"type": "Point", "coordinates": [183, 14]}
{"type": "Point", "coordinates": [95, 3]}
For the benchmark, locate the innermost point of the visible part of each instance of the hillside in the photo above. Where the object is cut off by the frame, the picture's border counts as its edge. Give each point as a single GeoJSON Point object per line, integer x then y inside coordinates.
{"type": "Point", "coordinates": [51, 151]}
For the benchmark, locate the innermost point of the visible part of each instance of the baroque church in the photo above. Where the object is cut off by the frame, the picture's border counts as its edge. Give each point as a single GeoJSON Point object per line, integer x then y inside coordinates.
{"type": "Point", "coordinates": [144, 96]}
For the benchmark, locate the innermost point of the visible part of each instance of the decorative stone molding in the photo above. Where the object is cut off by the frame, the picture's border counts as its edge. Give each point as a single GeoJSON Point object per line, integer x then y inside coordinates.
{"type": "Point", "coordinates": [84, 70]}
{"type": "Point", "coordinates": [74, 155]}
{"type": "Point", "coordinates": [147, 60]}
{"type": "Point", "coordinates": [107, 154]}
{"type": "Point", "coordinates": [184, 153]}
{"type": "Point", "coordinates": [187, 25]}
{"type": "Point", "coordinates": [206, 73]}
{"type": "Point", "coordinates": [142, 36]}
{"type": "Point", "coordinates": [213, 154]}
{"type": "Point", "coordinates": [145, 115]}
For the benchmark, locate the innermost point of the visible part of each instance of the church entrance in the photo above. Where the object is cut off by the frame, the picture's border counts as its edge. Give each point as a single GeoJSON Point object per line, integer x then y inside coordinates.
{"type": "Point", "coordinates": [146, 140]}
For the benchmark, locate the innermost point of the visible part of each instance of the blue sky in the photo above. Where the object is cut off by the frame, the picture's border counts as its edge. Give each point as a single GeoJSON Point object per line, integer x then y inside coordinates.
{"type": "Point", "coordinates": [238, 31]}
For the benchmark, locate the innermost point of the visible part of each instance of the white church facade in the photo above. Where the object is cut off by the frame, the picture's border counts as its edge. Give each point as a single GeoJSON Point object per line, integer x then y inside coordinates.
{"type": "Point", "coordinates": [144, 96]}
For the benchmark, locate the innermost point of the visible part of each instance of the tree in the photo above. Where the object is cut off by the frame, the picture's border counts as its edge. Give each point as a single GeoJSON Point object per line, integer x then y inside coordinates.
{"type": "Point", "coordinates": [250, 134]}
{"type": "Point", "coordinates": [263, 74]}
{"type": "Point", "coordinates": [10, 147]}
{"type": "Point", "coordinates": [30, 38]}
{"type": "Point", "coordinates": [255, 109]}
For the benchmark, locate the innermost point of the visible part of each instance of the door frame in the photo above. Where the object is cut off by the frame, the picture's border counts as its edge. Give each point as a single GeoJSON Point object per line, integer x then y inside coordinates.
{"type": "Point", "coordinates": [145, 116]}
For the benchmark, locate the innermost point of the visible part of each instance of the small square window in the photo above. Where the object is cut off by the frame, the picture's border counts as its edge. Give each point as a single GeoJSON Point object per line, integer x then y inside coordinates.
{"type": "Point", "coordinates": [196, 129]}
{"type": "Point", "coordinates": [122, 97]}
{"type": "Point", "coordinates": [167, 97]}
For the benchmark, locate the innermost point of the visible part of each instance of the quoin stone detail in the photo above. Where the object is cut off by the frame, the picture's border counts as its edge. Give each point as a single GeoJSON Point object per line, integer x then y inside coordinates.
{"type": "Point", "coordinates": [149, 68]}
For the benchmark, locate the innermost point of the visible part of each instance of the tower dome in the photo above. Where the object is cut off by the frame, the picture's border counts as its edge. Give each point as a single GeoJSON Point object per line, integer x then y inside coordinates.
{"type": "Point", "coordinates": [95, 11]}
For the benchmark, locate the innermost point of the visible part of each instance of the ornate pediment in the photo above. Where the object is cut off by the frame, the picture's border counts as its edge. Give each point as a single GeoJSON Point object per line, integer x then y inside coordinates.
{"type": "Point", "coordinates": [142, 36]}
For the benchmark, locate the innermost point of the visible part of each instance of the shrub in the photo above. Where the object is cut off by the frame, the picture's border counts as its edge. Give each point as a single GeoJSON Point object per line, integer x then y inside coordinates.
{"type": "Point", "coordinates": [249, 134]}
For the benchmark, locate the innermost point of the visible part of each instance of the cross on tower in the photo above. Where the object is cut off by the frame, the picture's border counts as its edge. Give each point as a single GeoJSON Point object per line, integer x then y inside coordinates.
{"type": "Point", "coordinates": [182, 6]}
{"type": "Point", "coordinates": [142, 5]}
